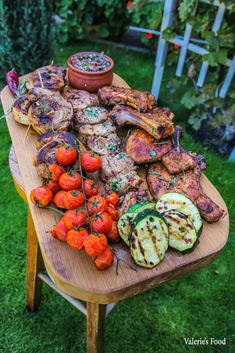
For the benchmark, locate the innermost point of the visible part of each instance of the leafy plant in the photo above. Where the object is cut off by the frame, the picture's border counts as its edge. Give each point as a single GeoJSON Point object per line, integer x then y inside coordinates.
{"type": "Point", "coordinates": [26, 35]}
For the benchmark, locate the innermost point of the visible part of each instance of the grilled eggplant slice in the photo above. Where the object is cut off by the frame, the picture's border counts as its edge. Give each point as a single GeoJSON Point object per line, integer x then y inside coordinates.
{"type": "Point", "coordinates": [126, 220]}
{"type": "Point", "coordinates": [176, 201]}
{"type": "Point", "coordinates": [182, 233]}
{"type": "Point", "coordinates": [149, 238]}
{"type": "Point", "coordinates": [140, 206]}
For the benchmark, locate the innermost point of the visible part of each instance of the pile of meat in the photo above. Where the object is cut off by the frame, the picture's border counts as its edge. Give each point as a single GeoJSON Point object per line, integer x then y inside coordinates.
{"type": "Point", "coordinates": [152, 140]}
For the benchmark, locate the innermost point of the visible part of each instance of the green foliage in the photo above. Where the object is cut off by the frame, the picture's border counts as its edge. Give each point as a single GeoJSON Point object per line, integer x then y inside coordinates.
{"type": "Point", "coordinates": [26, 35]}
{"type": "Point", "coordinates": [100, 18]}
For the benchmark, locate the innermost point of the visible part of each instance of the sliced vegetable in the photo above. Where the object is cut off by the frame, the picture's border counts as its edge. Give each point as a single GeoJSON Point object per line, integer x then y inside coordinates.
{"type": "Point", "coordinates": [176, 201]}
{"type": "Point", "coordinates": [124, 226]}
{"type": "Point", "coordinates": [140, 206]}
{"type": "Point", "coordinates": [182, 233]}
{"type": "Point", "coordinates": [149, 238]}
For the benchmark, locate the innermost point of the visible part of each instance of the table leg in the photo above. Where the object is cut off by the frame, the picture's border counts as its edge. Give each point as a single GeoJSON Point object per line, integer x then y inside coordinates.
{"type": "Point", "coordinates": [95, 327]}
{"type": "Point", "coordinates": [34, 264]}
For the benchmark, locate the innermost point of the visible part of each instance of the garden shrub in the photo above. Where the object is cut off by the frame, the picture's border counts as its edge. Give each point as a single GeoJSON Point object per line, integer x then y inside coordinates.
{"type": "Point", "coordinates": [26, 35]}
{"type": "Point", "coordinates": [100, 18]}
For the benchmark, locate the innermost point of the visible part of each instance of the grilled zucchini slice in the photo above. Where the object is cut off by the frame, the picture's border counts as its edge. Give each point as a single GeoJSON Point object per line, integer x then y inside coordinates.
{"type": "Point", "coordinates": [149, 238]}
{"type": "Point", "coordinates": [140, 206]}
{"type": "Point", "coordinates": [124, 226]}
{"type": "Point", "coordinates": [126, 220]}
{"type": "Point", "coordinates": [182, 233]}
{"type": "Point", "coordinates": [176, 201]}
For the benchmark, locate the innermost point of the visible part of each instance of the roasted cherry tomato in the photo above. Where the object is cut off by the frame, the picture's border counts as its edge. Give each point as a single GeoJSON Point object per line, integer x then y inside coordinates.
{"type": "Point", "coordinates": [112, 198]}
{"type": "Point", "coordinates": [73, 199]}
{"type": "Point", "coordinates": [75, 238]}
{"type": "Point", "coordinates": [90, 162]}
{"type": "Point", "coordinates": [41, 196]}
{"type": "Point", "coordinates": [112, 212]}
{"type": "Point", "coordinates": [101, 223]}
{"type": "Point", "coordinates": [95, 245]}
{"type": "Point", "coordinates": [55, 171]}
{"type": "Point", "coordinates": [104, 260]}
{"type": "Point", "coordinates": [75, 218]}
{"type": "Point", "coordinates": [90, 188]}
{"type": "Point", "coordinates": [60, 230]}
{"type": "Point", "coordinates": [53, 186]}
{"type": "Point", "coordinates": [70, 181]}
{"type": "Point", "coordinates": [96, 204]}
{"type": "Point", "coordinates": [58, 198]}
{"type": "Point", "coordinates": [113, 234]}
{"type": "Point", "coordinates": [66, 155]}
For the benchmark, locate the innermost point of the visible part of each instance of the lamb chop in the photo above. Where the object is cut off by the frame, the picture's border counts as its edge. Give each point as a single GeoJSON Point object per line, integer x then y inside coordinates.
{"type": "Point", "coordinates": [143, 148]}
{"type": "Point", "coordinates": [157, 123]}
{"type": "Point", "coordinates": [160, 181]}
{"type": "Point", "coordinates": [141, 101]}
{"type": "Point", "coordinates": [124, 182]}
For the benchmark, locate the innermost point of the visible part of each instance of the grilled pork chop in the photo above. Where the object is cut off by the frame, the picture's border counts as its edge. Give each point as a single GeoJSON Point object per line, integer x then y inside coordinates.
{"type": "Point", "coordinates": [160, 181]}
{"type": "Point", "coordinates": [124, 182]}
{"type": "Point", "coordinates": [157, 123]}
{"type": "Point", "coordinates": [141, 101]}
{"type": "Point", "coordinates": [143, 148]}
{"type": "Point", "coordinates": [80, 99]}
{"type": "Point", "coordinates": [104, 145]}
{"type": "Point", "coordinates": [112, 165]}
{"type": "Point", "coordinates": [90, 115]}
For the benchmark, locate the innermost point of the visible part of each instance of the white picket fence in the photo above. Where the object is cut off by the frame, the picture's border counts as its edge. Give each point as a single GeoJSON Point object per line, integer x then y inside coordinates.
{"type": "Point", "coordinates": [186, 43]}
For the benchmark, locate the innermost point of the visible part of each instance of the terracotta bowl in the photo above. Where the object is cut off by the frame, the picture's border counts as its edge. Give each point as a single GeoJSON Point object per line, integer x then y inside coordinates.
{"type": "Point", "coordinates": [87, 80]}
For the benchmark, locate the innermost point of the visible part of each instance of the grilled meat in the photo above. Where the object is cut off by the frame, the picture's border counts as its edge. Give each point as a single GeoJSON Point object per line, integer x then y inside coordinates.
{"type": "Point", "coordinates": [178, 160]}
{"type": "Point", "coordinates": [124, 182]}
{"type": "Point", "coordinates": [102, 129]}
{"type": "Point", "coordinates": [112, 165]}
{"type": "Point", "coordinates": [143, 148]}
{"type": "Point", "coordinates": [104, 145]}
{"type": "Point", "coordinates": [90, 115]}
{"type": "Point", "coordinates": [141, 101]}
{"type": "Point", "coordinates": [80, 99]}
{"type": "Point", "coordinates": [51, 113]}
{"type": "Point", "coordinates": [160, 181]}
{"type": "Point", "coordinates": [157, 123]}
{"type": "Point", "coordinates": [60, 136]}
{"type": "Point", "coordinates": [52, 77]}
{"type": "Point", "coordinates": [22, 104]}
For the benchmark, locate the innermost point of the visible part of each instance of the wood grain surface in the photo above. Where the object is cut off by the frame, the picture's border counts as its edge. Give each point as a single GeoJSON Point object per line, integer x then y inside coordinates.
{"type": "Point", "coordinates": [73, 271]}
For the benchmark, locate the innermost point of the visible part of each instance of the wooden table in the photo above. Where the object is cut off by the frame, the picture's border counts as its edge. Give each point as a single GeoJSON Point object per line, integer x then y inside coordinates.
{"type": "Point", "coordinates": [72, 272]}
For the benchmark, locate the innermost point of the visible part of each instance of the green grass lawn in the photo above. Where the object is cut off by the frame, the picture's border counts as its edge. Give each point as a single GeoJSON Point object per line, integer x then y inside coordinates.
{"type": "Point", "coordinates": [198, 305]}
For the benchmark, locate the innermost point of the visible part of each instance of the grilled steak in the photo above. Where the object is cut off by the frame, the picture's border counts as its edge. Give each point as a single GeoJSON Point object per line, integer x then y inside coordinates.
{"type": "Point", "coordinates": [160, 181]}
{"type": "Point", "coordinates": [102, 129]}
{"type": "Point", "coordinates": [141, 101]}
{"type": "Point", "coordinates": [112, 165]}
{"type": "Point", "coordinates": [80, 99]}
{"type": "Point", "coordinates": [157, 123]}
{"type": "Point", "coordinates": [143, 148]}
{"type": "Point", "coordinates": [104, 145]}
{"type": "Point", "coordinates": [90, 115]}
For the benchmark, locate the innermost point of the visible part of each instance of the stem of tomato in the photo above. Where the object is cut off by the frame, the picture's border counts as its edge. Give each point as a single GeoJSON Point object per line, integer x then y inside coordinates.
{"type": "Point", "coordinates": [54, 209]}
{"type": "Point", "coordinates": [119, 259]}
{"type": "Point", "coordinates": [81, 173]}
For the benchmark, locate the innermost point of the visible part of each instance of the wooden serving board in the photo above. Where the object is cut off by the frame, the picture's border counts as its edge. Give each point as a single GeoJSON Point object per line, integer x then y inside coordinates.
{"type": "Point", "coordinates": [73, 271]}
